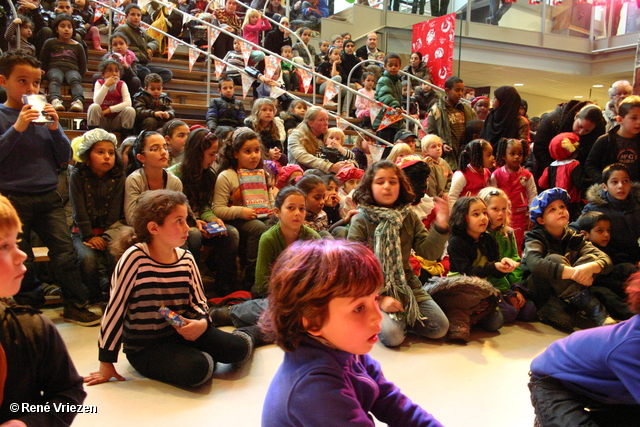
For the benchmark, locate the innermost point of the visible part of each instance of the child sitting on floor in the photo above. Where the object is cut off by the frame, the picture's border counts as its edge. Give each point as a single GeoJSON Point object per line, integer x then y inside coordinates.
{"type": "Point", "coordinates": [560, 265]}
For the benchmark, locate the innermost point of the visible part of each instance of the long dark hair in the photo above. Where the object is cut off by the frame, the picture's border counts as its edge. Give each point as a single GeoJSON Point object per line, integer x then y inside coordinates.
{"type": "Point", "coordinates": [240, 136]}
{"type": "Point", "coordinates": [363, 193]}
{"type": "Point", "coordinates": [197, 183]}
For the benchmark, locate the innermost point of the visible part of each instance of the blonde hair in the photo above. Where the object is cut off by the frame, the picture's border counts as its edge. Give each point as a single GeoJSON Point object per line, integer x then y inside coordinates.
{"type": "Point", "coordinates": [247, 17]}
{"type": "Point", "coordinates": [9, 219]}
{"type": "Point", "coordinates": [335, 131]}
{"type": "Point", "coordinates": [399, 150]}
{"type": "Point", "coordinates": [486, 194]}
{"type": "Point", "coordinates": [271, 128]}
{"type": "Point", "coordinates": [428, 140]}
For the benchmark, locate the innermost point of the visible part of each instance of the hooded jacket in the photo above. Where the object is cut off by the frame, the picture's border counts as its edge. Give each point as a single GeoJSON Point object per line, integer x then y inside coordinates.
{"type": "Point", "coordinates": [625, 221]}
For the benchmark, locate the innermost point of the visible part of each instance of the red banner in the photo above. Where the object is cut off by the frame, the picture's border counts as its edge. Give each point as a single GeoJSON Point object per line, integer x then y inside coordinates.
{"type": "Point", "coordinates": [434, 40]}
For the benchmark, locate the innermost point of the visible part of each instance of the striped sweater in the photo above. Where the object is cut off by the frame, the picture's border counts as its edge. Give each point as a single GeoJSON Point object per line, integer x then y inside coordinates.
{"type": "Point", "coordinates": [140, 286]}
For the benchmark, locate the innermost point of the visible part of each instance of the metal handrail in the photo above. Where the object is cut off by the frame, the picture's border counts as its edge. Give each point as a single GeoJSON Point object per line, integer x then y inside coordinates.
{"type": "Point", "coordinates": [210, 55]}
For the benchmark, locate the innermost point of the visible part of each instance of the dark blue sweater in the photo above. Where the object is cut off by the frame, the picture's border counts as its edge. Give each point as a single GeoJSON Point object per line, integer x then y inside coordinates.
{"type": "Point", "coordinates": [29, 160]}
{"type": "Point", "coordinates": [320, 386]}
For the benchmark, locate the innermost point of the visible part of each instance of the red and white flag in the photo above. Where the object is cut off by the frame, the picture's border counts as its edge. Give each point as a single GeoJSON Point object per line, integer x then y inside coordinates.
{"type": "Point", "coordinates": [389, 118]}
{"type": "Point", "coordinates": [306, 78]}
{"type": "Point", "coordinates": [341, 123]}
{"type": "Point", "coordinates": [434, 40]}
{"type": "Point", "coordinates": [172, 45]}
{"type": "Point", "coordinates": [246, 52]}
{"type": "Point", "coordinates": [213, 35]}
{"type": "Point", "coordinates": [329, 92]}
{"type": "Point", "coordinates": [193, 57]}
{"type": "Point", "coordinates": [246, 84]}
{"type": "Point", "coordinates": [271, 64]}
{"type": "Point", "coordinates": [219, 67]}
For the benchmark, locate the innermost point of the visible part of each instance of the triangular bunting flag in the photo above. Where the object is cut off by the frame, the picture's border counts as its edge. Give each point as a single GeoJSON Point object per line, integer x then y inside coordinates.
{"type": "Point", "coordinates": [276, 92]}
{"type": "Point", "coordinates": [246, 52]}
{"type": "Point", "coordinates": [389, 118]}
{"type": "Point", "coordinates": [375, 110]}
{"type": "Point", "coordinates": [193, 57]}
{"type": "Point", "coordinates": [99, 12]}
{"type": "Point", "coordinates": [246, 84]}
{"type": "Point", "coordinates": [341, 123]}
{"type": "Point", "coordinates": [219, 67]}
{"type": "Point", "coordinates": [271, 64]}
{"type": "Point", "coordinates": [213, 35]}
{"type": "Point", "coordinates": [170, 8]}
{"type": "Point", "coordinates": [123, 19]}
{"type": "Point", "coordinates": [306, 77]}
{"type": "Point", "coordinates": [172, 45]}
{"type": "Point", "coordinates": [143, 3]}
{"type": "Point", "coordinates": [329, 92]}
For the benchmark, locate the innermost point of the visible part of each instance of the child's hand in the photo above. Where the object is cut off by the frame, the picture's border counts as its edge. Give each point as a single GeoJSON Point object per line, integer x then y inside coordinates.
{"type": "Point", "coordinates": [150, 53]}
{"type": "Point", "coordinates": [331, 200]}
{"type": "Point", "coordinates": [442, 211]}
{"type": "Point", "coordinates": [51, 112]}
{"type": "Point", "coordinates": [399, 110]}
{"type": "Point", "coordinates": [275, 153]}
{"type": "Point", "coordinates": [248, 214]}
{"type": "Point", "coordinates": [26, 116]}
{"type": "Point", "coordinates": [17, 21]}
{"type": "Point", "coordinates": [111, 81]}
{"type": "Point", "coordinates": [583, 274]}
{"type": "Point", "coordinates": [221, 224]}
{"type": "Point", "coordinates": [106, 111]}
{"type": "Point", "coordinates": [350, 215]}
{"type": "Point", "coordinates": [517, 300]}
{"type": "Point", "coordinates": [27, 4]}
{"type": "Point", "coordinates": [446, 148]}
{"type": "Point", "coordinates": [192, 329]}
{"type": "Point", "coordinates": [390, 305]}
{"type": "Point", "coordinates": [506, 265]}
{"type": "Point", "coordinates": [96, 242]}
{"type": "Point", "coordinates": [159, 114]}
{"type": "Point", "coordinates": [106, 372]}
{"type": "Point", "coordinates": [200, 225]}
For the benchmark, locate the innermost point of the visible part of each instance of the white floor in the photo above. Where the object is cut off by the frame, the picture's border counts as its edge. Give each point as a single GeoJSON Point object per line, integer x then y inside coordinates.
{"type": "Point", "coordinates": [483, 383]}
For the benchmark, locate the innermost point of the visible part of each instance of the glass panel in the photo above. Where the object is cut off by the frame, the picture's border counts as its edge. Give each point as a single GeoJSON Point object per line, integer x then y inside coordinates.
{"type": "Point", "coordinates": [569, 19]}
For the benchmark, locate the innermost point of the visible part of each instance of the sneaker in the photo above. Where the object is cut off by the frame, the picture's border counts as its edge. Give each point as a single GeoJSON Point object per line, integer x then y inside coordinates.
{"type": "Point", "coordinates": [81, 316]}
{"type": "Point", "coordinates": [57, 105]}
{"type": "Point", "coordinates": [77, 106]}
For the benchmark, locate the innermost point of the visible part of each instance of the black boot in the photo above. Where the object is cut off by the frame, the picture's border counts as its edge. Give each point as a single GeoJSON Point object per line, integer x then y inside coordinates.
{"type": "Point", "coordinates": [583, 301]}
{"type": "Point", "coordinates": [553, 313]}
{"type": "Point", "coordinates": [220, 316]}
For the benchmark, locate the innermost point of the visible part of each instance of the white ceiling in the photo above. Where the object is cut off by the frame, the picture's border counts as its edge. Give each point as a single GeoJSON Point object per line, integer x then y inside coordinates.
{"type": "Point", "coordinates": [542, 83]}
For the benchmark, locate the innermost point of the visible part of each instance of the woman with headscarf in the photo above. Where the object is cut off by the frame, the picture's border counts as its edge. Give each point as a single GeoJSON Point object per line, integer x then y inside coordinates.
{"type": "Point", "coordinates": [504, 119]}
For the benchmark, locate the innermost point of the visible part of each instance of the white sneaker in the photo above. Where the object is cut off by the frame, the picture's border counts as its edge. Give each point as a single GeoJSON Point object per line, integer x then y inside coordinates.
{"type": "Point", "coordinates": [77, 106]}
{"type": "Point", "coordinates": [57, 105]}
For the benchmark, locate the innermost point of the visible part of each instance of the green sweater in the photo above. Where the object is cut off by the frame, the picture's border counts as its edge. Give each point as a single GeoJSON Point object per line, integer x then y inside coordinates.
{"type": "Point", "coordinates": [271, 245]}
{"type": "Point", "coordinates": [508, 249]}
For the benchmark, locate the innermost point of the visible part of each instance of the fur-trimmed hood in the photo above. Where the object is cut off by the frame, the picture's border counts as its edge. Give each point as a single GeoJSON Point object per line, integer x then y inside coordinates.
{"type": "Point", "coordinates": [595, 194]}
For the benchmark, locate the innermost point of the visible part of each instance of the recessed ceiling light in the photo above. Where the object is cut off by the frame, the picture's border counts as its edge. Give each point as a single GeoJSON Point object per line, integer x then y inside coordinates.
{"type": "Point", "coordinates": [598, 85]}
{"type": "Point", "coordinates": [518, 84]}
{"type": "Point", "coordinates": [578, 96]}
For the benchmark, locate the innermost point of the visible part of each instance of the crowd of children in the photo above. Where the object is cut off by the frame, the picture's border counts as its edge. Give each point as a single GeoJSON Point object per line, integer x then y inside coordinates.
{"type": "Point", "coordinates": [450, 208]}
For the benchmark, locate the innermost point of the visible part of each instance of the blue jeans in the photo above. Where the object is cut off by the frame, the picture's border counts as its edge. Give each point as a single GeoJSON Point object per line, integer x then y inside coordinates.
{"type": "Point", "coordinates": [247, 313]}
{"type": "Point", "coordinates": [56, 76]}
{"type": "Point", "coordinates": [434, 326]}
{"type": "Point", "coordinates": [557, 406]}
{"type": "Point", "coordinates": [44, 214]}
{"type": "Point", "coordinates": [94, 269]}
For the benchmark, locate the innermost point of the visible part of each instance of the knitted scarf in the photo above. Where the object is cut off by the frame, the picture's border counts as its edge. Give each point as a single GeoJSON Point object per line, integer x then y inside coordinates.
{"type": "Point", "coordinates": [387, 248]}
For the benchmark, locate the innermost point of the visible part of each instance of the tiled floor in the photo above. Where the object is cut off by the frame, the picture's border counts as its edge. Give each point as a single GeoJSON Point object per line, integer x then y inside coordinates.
{"type": "Point", "coordinates": [483, 383]}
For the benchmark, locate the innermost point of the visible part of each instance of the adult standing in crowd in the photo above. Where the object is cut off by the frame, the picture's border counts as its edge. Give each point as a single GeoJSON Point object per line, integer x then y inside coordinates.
{"type": "Point", "coordinates": [417, 68]}
{"type": "Point", "coordinates": [581, 117]}
{"type": "Point", "coordinates": [617, 92]}
{"type": "Point", "coordinates": [278, 37]}
{"type": "Point", "coordinates": [307, 140]}
{"type": "Point", "coordinates": [504, 120]}
{"type": "Point", "coordinates": [369, 50]}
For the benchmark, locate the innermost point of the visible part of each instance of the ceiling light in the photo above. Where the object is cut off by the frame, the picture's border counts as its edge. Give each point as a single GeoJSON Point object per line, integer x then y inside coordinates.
{"type": "Point", "coordinates": [578, 97]}
{"type": "Point", "coordinates": [518, 84]}
{"type": "Point", "coordinates": [598, 85]}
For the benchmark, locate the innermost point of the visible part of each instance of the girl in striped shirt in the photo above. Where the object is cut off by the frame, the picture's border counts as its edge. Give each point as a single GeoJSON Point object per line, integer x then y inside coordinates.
{"type": "Point", "coordinates": [155, 272]}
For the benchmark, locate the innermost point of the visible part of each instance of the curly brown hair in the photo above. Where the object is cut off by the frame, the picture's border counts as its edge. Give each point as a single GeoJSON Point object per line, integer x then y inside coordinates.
{"type": "Point", "coordinates": [309, 274]}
